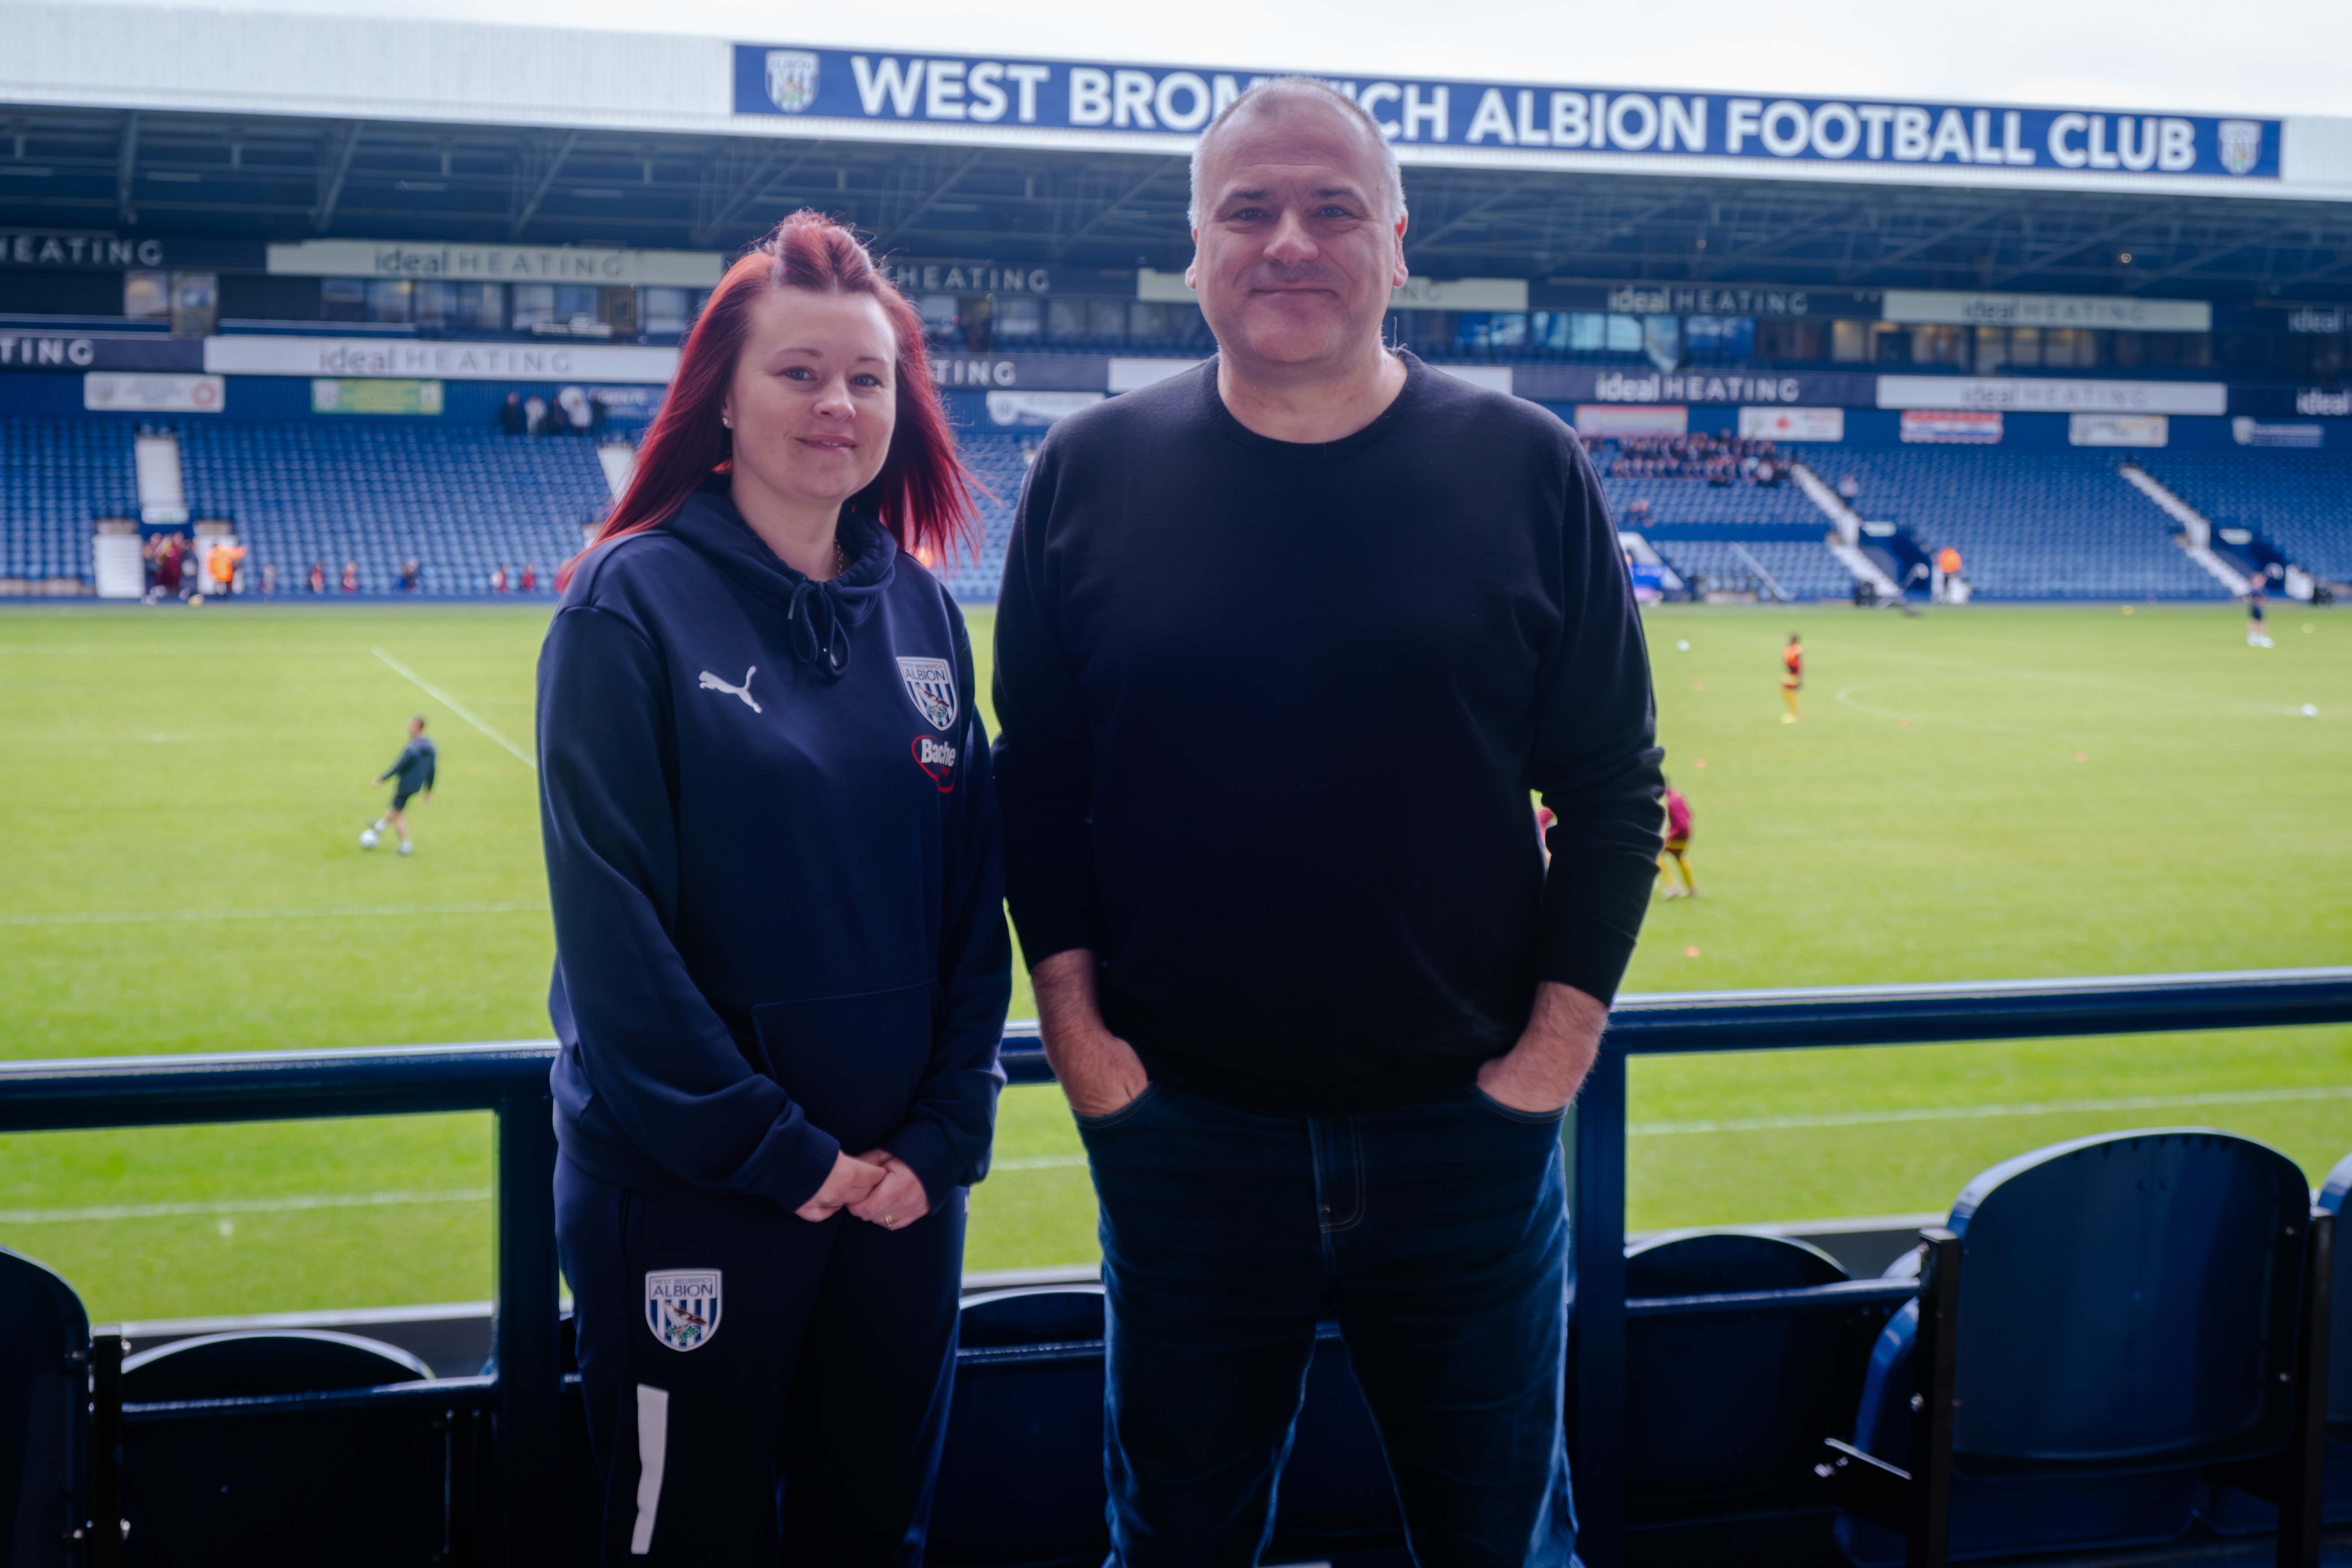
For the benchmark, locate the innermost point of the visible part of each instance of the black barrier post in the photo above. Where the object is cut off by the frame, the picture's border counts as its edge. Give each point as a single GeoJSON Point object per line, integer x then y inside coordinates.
{"type": "Point", "coordinates": [524, 1346]}
{"type": "Point", "coordinates": [1597, 1246]}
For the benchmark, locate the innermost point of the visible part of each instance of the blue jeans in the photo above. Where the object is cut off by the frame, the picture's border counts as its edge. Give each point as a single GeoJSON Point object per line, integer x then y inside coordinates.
{"type": "Point", "coordinates": [1437, 1234]}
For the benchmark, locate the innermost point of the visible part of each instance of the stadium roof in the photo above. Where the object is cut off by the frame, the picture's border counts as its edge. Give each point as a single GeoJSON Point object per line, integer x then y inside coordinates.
{"type": "Point", "coordinates": [123, 119]}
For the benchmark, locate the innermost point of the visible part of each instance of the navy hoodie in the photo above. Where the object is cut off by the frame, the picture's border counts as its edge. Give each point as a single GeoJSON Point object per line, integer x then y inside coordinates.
{"type": "Point", "coordinates": [776, 867]}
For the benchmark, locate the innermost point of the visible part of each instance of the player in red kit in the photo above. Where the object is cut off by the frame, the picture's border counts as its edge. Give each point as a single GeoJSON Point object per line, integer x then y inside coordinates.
{"type": "Point", "coordinates": [1792, 679]}
{"type": "Point", "coordinates": [1678, 845]}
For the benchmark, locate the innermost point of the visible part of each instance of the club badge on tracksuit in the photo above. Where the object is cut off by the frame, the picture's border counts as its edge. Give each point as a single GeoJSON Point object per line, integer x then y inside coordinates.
{"type": "Point", "coordinates": [682, 1307]}
{"type": "Point", "coordinates": [931, 684]}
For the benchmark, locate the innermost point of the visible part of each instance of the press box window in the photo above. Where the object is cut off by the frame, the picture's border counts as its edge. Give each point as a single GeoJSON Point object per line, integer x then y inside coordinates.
{"type": "Point", "coordinates": [344, 298]}
{"type": "Point", "coordinates": [147, 296]}
{"type": "Point", "coordinates": [665, 310]}
{"type": "Point", "coordinates": [534, 306]}
{"type": "Point", "coordinates": [1022, 316]}
{"type": "Point", "coordinates": [479, 307]}
{"type": "Point", "coordinates": [392, 299]}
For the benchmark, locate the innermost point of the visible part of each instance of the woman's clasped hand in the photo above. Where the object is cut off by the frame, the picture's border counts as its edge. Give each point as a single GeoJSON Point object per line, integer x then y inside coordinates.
{"type": "Point", "coordinates": [876, 1187]}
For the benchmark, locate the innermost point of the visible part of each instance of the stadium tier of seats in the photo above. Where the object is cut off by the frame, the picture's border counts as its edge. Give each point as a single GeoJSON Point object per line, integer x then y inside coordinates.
{"type": "Point", "coordinates": [2028, 525]}
{"type": "Point", "coordinates": [55, 476]}
{"type": "Point", "coordinates": [2129, 1310]}
{"type": "Point", "coordinates": [462, 502]}
{"type": "Point", "coordinates": [999, 462]}
{"type": "Point", "coordinates": [2301, 501]}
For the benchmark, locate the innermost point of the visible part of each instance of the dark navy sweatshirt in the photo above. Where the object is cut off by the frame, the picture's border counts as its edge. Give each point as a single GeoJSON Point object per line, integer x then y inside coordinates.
{"type": "Point", "coordinates": [775, 862]}
{"type": "Point", "coordinates": [1271, 715]}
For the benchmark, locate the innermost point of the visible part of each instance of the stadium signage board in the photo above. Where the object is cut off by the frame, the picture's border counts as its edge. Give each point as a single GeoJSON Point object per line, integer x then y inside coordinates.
{"type": "Point", "coordinates": [106, 392]}
{"type": "Point", "coordinates": [1138, 101]}
{"type": "Point", "coordinates": [71, 353]}
{"type": "Point", "coordinates": [58, 252]}
{"type": "Point", "coordinates": [496, 263]}
{"type": "Point", "coordinates": [965, 276]}
{"type": "Point", "coordinates": [2052, 394]}
{"type": "Point", "coordinates": [1705, 299]}
{"type": "Point", "coordinates": [2320, 403]}
{"type": "Point", "coordinates": [369, 358]}
{"type": "Point", "coordinates": [2122, 312]}
{"type": "Point", "coordinates": [1597, 384]}
{"type": "Point", "coordinates": [1035, 373]}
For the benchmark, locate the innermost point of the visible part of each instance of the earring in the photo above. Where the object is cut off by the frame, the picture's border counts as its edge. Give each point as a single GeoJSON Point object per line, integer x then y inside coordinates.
{"type": "Point", "coordinates": [727, 422]}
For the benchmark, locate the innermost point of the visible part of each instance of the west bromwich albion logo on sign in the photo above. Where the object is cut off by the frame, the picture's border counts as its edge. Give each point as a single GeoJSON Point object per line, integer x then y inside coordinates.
{"type": "Point", "coordinates": [2241, 145]}
{"type": "Point", "coordinates": [931, 683]}
{"type": "Point", "coordinates": [791, 79]}
{"type": "Point", "coordinates": [682, 1307]}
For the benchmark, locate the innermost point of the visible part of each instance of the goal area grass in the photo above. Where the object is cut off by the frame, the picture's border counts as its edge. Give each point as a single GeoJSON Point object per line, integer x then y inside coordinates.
{"type": "Point", "coordinates": [1978, 793]}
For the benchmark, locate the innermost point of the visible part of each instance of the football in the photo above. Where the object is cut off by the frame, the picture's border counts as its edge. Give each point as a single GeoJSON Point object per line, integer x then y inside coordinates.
{"type": "Point", "coordinates": [367, 839]}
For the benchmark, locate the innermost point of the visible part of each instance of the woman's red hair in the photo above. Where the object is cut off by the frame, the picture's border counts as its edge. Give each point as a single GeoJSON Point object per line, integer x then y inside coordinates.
{"type": "Point", "coordinates": [923, 493]}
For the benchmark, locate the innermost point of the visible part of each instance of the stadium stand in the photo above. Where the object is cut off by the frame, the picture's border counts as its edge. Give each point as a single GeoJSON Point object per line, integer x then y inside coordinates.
{"type": "Point", "coordinates": [2028, 525]}
{"type": "Point", "coordinates": [61, 474]}
{"type": "Point", "coordinates": [1696, 528]}
{"type": "Point", "coordinates": [461, 502]}
{"type": "Point", "coordinates": [999, 462]}
{"type": "Point", "coordinates": [2296, 500]}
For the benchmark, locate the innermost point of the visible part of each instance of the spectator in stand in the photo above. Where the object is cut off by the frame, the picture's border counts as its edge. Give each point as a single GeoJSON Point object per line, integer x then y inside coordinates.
{"type": "Point", "coordinates": [410, 570]}
{"type": "Point", "coordinates": [1849, 487]}
{"type": "Point", "coordinates": [531, 577]}
{"type": "Point", "coordinates": [1947, 572]}
{"type": "Point", "coordinates": [268, 578]}
{"type": "Point", "coordinates": [498, 579]}
{"type": "Point", "coordinates": [511, 417]}
{"type": "Point", "coordinates": [318, 580]}
{"type": "Point", "coordinates": [351, 576]}
{"type": "Point", "coordinates": [534, 415]}
{"type": "Point", "coordinates": [599, 415]}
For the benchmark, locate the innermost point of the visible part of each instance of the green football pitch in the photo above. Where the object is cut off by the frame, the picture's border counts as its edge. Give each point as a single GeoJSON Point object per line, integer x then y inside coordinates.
{"type": "Point", "coordinates": [1973, 793]}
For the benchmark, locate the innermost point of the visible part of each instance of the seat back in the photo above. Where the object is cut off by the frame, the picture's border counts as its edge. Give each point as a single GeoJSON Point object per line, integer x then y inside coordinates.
{"type": "Point", "coordinates": [254, 1364]}
{"type": "Point", "coordinates": [1724, 1412]}
{"type": "Point", "coordinates": [1021, 1477]}
{"type": "Point", "coordinates": [44, 1414]}
{"type": "Point", "coordinates": [2336, 1196]}
{"type": "Point", "coordinates": [2128, 1300]}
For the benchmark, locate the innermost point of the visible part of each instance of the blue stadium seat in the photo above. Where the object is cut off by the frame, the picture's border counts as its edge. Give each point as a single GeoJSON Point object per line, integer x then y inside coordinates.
{"type": "Point", "coordinates": [2125, 1311]}
{"type": "Point", "coordinates": [2231, 1511]}
{"type": "Point", "coordinates": [45, 1490]}
{"type": "Point", "coordinates": [1020, 1480]}
{"type": "Point", "coordinates": [248, 1365]}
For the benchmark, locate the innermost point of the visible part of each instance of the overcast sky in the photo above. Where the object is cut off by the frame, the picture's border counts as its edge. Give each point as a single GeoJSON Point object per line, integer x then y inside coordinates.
{"type": "Point", "coordinates": [2267, 57]}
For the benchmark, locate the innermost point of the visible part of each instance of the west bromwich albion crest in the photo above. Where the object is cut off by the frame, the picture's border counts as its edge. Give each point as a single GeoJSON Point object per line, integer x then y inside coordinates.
{"type": "Point", "coordinates": [2241, 145]}
{"type": "Point", "coordinates": [682, 1307]}
{"type": "Point", "coordinates": [791, 79]}
{"type": "Point", "coordinates": [931, 683]}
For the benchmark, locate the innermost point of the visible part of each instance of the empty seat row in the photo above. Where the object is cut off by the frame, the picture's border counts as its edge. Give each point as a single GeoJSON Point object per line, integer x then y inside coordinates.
{"type": "Point", "coordinates": [2112, 1337]}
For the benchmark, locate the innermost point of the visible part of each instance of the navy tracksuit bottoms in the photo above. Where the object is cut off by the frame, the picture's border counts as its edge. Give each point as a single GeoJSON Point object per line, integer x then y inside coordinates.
{"type": "Point", "coordinates": [760, 1388]}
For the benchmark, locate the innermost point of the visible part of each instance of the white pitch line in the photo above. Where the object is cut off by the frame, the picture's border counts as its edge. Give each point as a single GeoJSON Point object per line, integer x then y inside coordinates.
{"type": "Point", "coordinates": [1039, 1163]}
{"type": "Point", "coordinates": [244, 1205]}
{"type": "Point", "coordinates": [455, 706]}
{"type": "Point", "coordinates": [332, 911]}
{"type": "Point", "coordinates": [1973, 1113]}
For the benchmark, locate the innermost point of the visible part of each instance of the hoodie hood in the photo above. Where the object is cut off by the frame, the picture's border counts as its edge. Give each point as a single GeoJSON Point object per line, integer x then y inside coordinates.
{"type": "Point", "coordinates": [821, 616]}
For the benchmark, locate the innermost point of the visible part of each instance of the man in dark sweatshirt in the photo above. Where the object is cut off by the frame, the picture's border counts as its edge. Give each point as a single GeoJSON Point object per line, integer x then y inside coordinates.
{"type": "Point", "coordinates": [413, 772]}
{"type": "Point", "coordinates": [1286, 643]}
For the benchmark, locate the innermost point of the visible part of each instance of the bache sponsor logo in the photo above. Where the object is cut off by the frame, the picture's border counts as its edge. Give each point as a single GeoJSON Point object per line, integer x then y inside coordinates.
{"type": "Point", "coordinates": [936, 758]}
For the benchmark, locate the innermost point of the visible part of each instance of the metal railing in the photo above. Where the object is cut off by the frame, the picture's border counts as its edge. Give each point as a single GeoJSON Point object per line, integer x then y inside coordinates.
{"type": "Point", "coordinates": [510, 1081]}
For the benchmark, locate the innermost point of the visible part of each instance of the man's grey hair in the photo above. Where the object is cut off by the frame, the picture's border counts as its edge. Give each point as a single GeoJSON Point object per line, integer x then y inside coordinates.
{"type": "Point", "coordinates": [1272, 97]}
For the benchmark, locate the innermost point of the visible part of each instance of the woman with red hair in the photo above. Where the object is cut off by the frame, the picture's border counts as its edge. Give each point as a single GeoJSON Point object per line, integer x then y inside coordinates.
{"type": "Point", "coordinates": [780, 961]}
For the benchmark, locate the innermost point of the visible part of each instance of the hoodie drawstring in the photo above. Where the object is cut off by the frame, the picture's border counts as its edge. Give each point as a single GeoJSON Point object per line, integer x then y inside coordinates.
{"type": "Point", "coordinates": [826, 646]}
